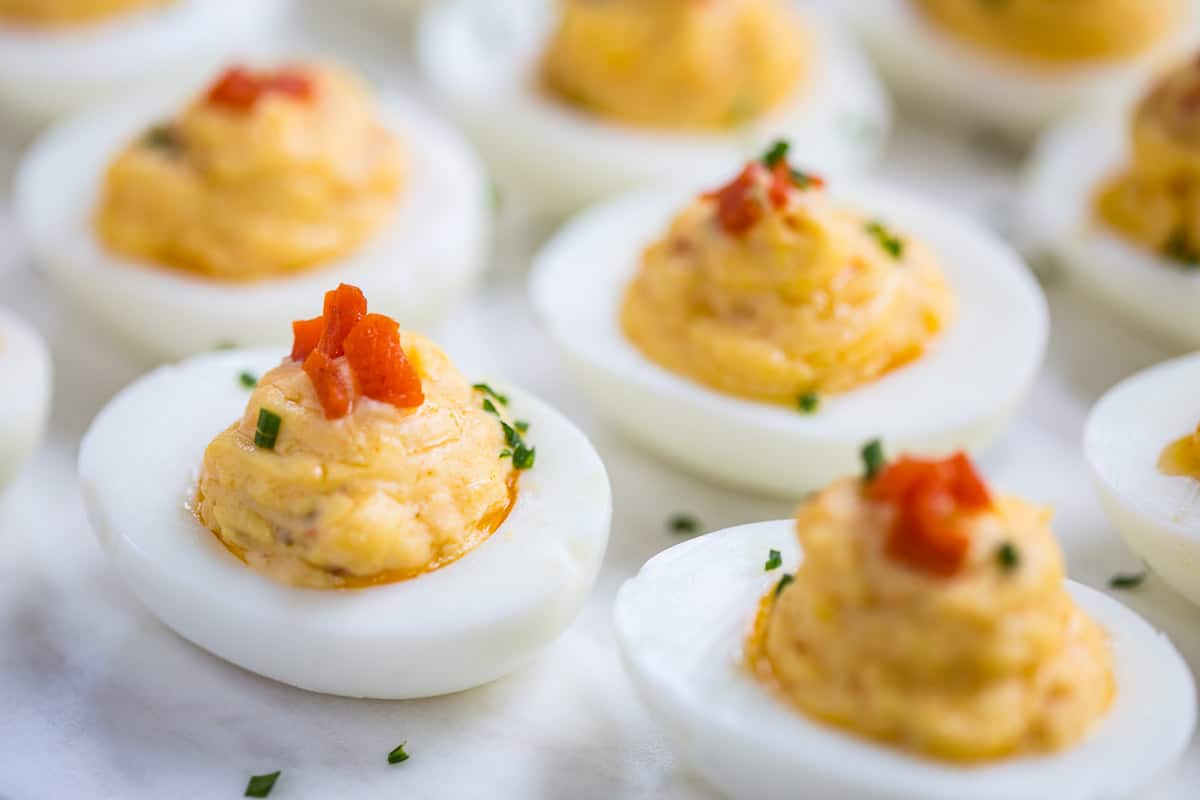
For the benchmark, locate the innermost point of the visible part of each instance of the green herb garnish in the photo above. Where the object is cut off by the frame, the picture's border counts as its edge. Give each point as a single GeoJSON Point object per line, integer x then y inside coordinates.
{"type": "Point", "coordinates": [683, 523]}
{"type": "Point", "coordinates": [522, 426]}
{"type": "Point", "coordinates": [808, 402]}
{"type": "Point", "coordinates": [892, 245]}
{"type": "Point", "coordinates": [490, 407]}
{"type": "Point", "coordinates": [523, 456]}
{"type": "Point", "coordinates": [774, 561]}
{"type": "Point", "coordinates": [511, 437]}
{"type": "Point", "coordinates": [248, 380]}
{"type": "Point", "coordinates": [483, 387]}
{"type": "Point", "coordinates": [1180, 250]}
{"type": "Point", "coordinates": [261, 785]}
{"type": "Point", "coordinates": [801, 179]}
{"type": "Point", "coordinates": [267, 430]}
{"type": "Point", "coordinates": [1008, 557]}
{"type": "Point", "coordinates": [162, 137]}
{"type": "Point", "coordinates": [505, 453]}
{"type": "Point", "coordinates": [775, 153]}
{"type": "Point", "coordinates": [398, 755]}
{"type": "Point", "coordinates": [1130, 580]}
{"type": "Point", "coordinates": [873, 458]}
{"type": "Point", "coordinates": [783, 583]}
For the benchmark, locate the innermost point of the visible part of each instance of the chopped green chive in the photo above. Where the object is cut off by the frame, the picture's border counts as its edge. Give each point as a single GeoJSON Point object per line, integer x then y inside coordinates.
{"type": "Point", "coordinates": [490, 407]}
{"type": "Point", "coordinates": [1130, 580]}
{"type": "Point", "coordinates": [774, 561]}
{"type": "Point", "coordinates": [873, 458]}
{"type": "Point", "coordinates": [523, 456]}
{"type": "Point", "coordinates": [1180, 250]}
{"type": "Point", "coordinates": [783, 583]}
{"type": "Point", "coordinates": [162, 137]}
{"type": "Point", "coordinates": [505, 453]}
{"type": "Point", "coordinates": [522, 426]}
{"type": "Point", "coordinates": [248, 380]}
{"type": "Point", "coordinates": [683, 523]}
{"type": "Point", "coordinates": [398, 755]}
{"type": "Point", "coordinates": [268, 429]}
{"type": "Point", "coordinates": [892, 245]}
{"type": "Point", "coordinates": [483, 387]}
{"type": "Point", "coordinates": [1008, 557]}
{"type": "Point", "coordinates": [261, 785]}
{"type": "Point", "coordinates": [775, 153]}
{"type": "Point", "coordinates": [808, 402]}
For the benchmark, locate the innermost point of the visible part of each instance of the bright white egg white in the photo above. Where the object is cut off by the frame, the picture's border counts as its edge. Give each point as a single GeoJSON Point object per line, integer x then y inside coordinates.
{"type": "Point", "coordinates": [959, 395]}
{"type": "Point", "coordinates": [1157, 514]}
{"type": "Point", "coordinates": [44, 73]}
{"type": "Point", "coordinates": [25, 376]}
{"type": "Point", "coordinates": [932, 70]}
{"type": "Point", "coordinates": [1058, 220]}
{"type": "Point", "coordinates": [416, 269]}
{"type": "Point", "coordinates": [481, 57]}
{"type": "Point", "coordinates": [682, 622]}
{"type": "Point", "coordinates": [460, 626]}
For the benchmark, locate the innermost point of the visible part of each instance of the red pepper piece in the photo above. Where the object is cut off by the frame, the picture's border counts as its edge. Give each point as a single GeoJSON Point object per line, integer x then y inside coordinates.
{"type": "Point", "coordinates": [306, 335]}
{"type": "Point", "coordinates": [739, 203]}
{"type": "Point", "coordinates": [237, 88]}
{"type": "Point", "coordinates": [292, 82]}
{"type": "Point", "coordinates": [344, 307]}
{"type": "Point", "coordinates": [331, 388]}
{"type": "Point", "coordinates": [381, 369]}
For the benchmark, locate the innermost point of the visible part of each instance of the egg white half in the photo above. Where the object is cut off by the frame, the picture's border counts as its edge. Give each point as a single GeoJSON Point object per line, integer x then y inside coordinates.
{"type": "Point", "coordinates": [481, 58]}
{"type": "Point", "coordinates": [458, 627]}
{"type": "Point", "coordinates": [1158, 515]}
{"type": "Point", "coordinates": [417, 268]}
{"type": "Point", "coordinates": [44, 73]}
{"type": "Point", "coordinates": [25, 377]}
{"type": "Point", "coordinates": [960, 394]}
{"type": "Point", "coordinates": [931, 69]}
{"type": "Point", "coordinates": [682, 622]}
{"type": "Point", "coordinates": [1065, 171]}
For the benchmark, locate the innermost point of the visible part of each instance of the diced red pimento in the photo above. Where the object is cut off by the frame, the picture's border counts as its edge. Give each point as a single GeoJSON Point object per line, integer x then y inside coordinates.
{"type": "Point", "coordinates": [375, 361]}
{"type": "Point", "coordinates": [239, 88]}
{"type": "Point", "coordinates": [745, 200]}
{"type": "Point", "coordinates": [931, 498]}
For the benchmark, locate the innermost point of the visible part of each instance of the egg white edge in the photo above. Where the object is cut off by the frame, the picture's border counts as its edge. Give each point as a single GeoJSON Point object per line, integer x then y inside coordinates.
{"type": "Point", "coordinates": [430, 253]}
{"type": "Point", "coordinates": [26, 373]}
{"type": "Point", "coordinates": [843, 109]}
{"type": "Point", "coordinates": [664, 619]}
{"type": "Point", "coordinates": [605, 244]}
{"type": "Point", "coordinates": [353, 642]}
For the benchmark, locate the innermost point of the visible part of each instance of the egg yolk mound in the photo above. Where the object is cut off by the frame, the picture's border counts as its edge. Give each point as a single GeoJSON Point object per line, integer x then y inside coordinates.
{"type": "Point", "coordinates": [766, 289]}
{"type": "Point", "coordinates": [364, 458]}
{"type": "Point", "coordinates": [932, 616]}
{"type": "Point", "coordinates": [53, 13]}
{"type": "Point", "coordinates": [1058, 30]}
{"type": "Point", "coordinates": [677, 64]}
{"type": "Point", "coordinates": [265, 174]}
{"type": "Point", "coordinates": [1182, 457]}
{"type": "Point", "coordinates": [1154, 201]}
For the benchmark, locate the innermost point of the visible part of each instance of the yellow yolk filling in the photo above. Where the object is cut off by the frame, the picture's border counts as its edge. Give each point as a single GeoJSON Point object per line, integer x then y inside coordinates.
{"type": "Point", "coordinates": [243, 195]}
{"type": "Point", "coordinates": [380, 495]}
{"type": "Point", "coordinates": [1182, 457]}
{"type": "Point", "coordinates": [1058, 30]}
{"type": "Point", "coordinates": [989, 663]}
{"type": "Point", "coordinates": [53, 13]}
{"type": "Point", "coordinates": [676, 64]}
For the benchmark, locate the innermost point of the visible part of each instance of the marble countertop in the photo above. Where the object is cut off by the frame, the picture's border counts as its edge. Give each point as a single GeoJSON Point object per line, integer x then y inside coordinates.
{"type": "Point", "coordinates": [101, 700]}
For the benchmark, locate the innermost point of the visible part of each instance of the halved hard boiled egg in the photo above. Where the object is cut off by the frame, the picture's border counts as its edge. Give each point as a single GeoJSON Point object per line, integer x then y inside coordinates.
{"type": "Point", "coordinates": [1141, 442]}
{"type": "Point", "coordinates": [215, 226]}
{"type": "Point", "coordinates": [1016, 66]}
{"type": "Point", "coordinates": [25, 374]}
{"type": "Point", "coordinates": [1108, 198]}
{"type": "Point", "coordinates": [683, 625]}
{"type": "Point", "coordinates": [759, 334]}
{"type": "Point", "coordinates": [574, 101]}
{"type": "Point", "coordinates": [371, 524]}
{"type": "Point", "coordinates": [52, 61]}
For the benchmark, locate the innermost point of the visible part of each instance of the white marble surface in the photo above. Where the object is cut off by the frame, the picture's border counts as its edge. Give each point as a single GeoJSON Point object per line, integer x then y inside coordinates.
{"type": "Point", "coordinates": [100, 700]}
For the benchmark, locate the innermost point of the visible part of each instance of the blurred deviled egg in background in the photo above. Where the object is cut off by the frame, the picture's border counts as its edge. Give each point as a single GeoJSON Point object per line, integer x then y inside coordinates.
{"type": "Point", "coordinates": [1015, 65]}
{"type": "Point", "coordinates": [25, 376]}
{"type": "Point", "coordinates": [1111, 197]}
{"type": "Point", "coordinates": [909, 635]}
{"type": "Point", "coordinates": [58, 55]}
{"type": "Point", "coordinates": [575, 100]}
{"type": "Point", "coordinates": [354, 516]}
{"type": "Point", "coordinates": [756, 333]}
{"type": "Point", "coordinates": [196, 219]}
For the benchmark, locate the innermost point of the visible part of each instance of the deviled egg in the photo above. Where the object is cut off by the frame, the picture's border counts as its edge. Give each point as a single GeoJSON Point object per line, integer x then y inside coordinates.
{"type": "Point", "coordinates": [1018, 64]}
{"type": "Point", "coordinates": [1142, 441]}
{"type": "Point", "coordinates": [25, 374]}
{"type": "Point", "coordinates": [58, 55]}
{"type": "Point", "coordinates": [371, 523]}
{"type": "Point", "coordinates": [757, 333]}
{"type": "Point", "coordinates": [1110, 196]}
{"type": "Point", "coordinates": [908, 635]}
{"type": "Point", "coordinates": [183, 230]}
{"type": "Point", "coordinates": [575, 100]}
